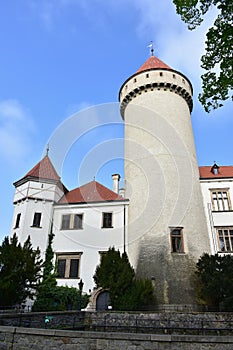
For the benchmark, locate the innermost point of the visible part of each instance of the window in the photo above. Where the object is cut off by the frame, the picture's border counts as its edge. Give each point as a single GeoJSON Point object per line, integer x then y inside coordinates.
{"type": "Point", "coordinates": [72, 222]}
{"type": "Point", "coordinates": [176, 236]}
{"type": "Point", "coordinates": [220, 199]}
{"type": "Point", "coordinates": [36, 220]}
{"type": "Point", "coordinates": [68, 265]}
{"type": "Point", "coordinates": [225, 239]}
{"type": "Point", "coordinates": [78, 221]}
{"type": "Point", "coordinates": [17, 220]}
{"type": "Point", "coordinates": [65, 225]}
{"type": "Point", "coordinates": [107, 220]}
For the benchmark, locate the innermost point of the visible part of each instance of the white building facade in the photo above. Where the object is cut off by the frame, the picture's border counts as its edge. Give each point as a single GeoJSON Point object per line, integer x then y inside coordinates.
{"type": "Point", "coordinates": [217, 190]}
{"type": "Point", "coordinates": [85, 221]}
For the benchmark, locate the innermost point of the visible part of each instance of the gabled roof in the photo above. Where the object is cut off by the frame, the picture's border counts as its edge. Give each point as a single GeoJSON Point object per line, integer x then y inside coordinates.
{"type": "Point", "coordinates": [206, 172]}
{"type": "Point", "coordinates": [90, 192]}
{"type": "Point", "coordinates": [152, 63]}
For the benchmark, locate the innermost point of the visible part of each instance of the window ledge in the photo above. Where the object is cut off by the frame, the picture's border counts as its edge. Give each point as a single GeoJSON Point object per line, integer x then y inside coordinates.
{"type": "Point", "coordinates": [107, 227]}
{"type": "Point", "coordinates": [36, 226]}
{"type": "Point", "coordinates": [222, 211]}
{"type": "Point", "coordinates": [178, 253]}
{"type": "Point", "coordinates": [71, 229]}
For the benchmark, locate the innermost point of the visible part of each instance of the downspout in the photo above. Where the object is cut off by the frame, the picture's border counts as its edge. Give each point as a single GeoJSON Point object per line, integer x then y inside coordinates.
{"type": "Point", "coordinates": [124, 229]}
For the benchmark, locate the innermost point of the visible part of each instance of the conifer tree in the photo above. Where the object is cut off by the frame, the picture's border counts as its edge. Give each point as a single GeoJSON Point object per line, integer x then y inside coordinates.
{"type": "Point", "coordinates": [215, 280]}
{"type": "Point", "coordinates": [20, 271]}
{"type": "Point", "coordinates": [116, 275]}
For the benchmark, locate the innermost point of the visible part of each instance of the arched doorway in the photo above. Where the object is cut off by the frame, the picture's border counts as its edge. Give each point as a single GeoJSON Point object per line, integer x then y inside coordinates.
{"type": "Point", "coordinates": [102, 301]}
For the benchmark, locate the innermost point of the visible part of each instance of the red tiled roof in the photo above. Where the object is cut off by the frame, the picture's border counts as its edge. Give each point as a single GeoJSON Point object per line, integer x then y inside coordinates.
{"type": "Point", "coordinates": [223, 172]}
{"type": "Point", "coordinates": [90, 192]}
{"type": "Point", "coordinates": [152, 63]}
{"type": "Point", "coordinates": [44, 169]}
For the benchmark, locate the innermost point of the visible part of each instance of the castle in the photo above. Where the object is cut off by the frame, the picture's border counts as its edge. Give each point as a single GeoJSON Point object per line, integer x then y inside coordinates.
{"type": "Point", "coordinates": [172, 211]}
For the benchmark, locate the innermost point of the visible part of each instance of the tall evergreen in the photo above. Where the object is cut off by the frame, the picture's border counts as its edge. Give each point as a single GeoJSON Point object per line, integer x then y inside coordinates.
{"type": "Point", "coordinates": [116, 275]}
{"type": "Point", "coordinates": [20, 271]}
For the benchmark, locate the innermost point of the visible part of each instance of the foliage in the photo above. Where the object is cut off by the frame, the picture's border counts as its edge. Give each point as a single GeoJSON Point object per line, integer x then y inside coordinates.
{"type": "Point", "coordinates": [20, 271]}
{"type": "Point", "coordinates": [60, 298]}
{"type": "Point", "coordinates": [215, 277]}
{"type": "Point", "coordinates": [116, 275]}
{"type": "Point", "coordinates": [51, 297]}
{"type": "Point", "coordinates": [217, 81]}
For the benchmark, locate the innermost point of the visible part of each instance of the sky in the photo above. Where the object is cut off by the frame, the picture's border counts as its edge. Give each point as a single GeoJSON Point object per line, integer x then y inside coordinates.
{"type": "Point", "coordinates": [62, 64]}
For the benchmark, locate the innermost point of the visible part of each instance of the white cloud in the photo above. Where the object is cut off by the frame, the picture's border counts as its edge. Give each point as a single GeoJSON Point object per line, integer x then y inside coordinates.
{"type": "Point", "coordinates": [16, 125]}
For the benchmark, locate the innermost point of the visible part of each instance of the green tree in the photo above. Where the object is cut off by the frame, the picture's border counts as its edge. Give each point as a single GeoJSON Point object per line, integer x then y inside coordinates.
{"type": "Point", "coordinates": [215, 280]}
{"type": "Point", "coordinates": [117, 275]}
{"type": "Point", "coordinates": [20, 271]}
{"type": "Point", "coordinates": [45, 296]}
{"type": "Point", "coordinates": [217, 81]}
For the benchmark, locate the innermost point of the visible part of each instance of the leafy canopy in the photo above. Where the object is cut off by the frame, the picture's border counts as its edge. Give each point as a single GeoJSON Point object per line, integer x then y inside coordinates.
{"type": "Point", "coordinates": [20, 271]}
{"type": "Point", "coordinates": [117, 276]}
{"type": "Point", "coordinates": [215, 275]}
{"type": "Point", "coordinates": [217, 81]}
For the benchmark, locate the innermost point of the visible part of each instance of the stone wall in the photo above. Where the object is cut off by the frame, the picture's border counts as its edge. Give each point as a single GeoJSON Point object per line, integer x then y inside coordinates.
{"type": "Point", "coordinates": [12, 338]}
{"type": "Point", "coordinates": [161, 322]}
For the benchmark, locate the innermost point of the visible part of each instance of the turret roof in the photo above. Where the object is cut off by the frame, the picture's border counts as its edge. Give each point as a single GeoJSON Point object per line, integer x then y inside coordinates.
{"type": "Point", "coordinates": [152, 63]}
{"type": "Point", "coordinates": [44, 169]}
{"type": "Point", "coordinates": [91, 192]}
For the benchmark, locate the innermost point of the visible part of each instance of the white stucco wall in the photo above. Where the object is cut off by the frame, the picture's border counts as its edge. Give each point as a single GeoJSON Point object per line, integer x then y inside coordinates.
{"type": "Point", "coordinates": [216, 218]}
{"type": "Point", "coordinates": [89, 240]}
{"type": "Point", "coordinates": [38, 235]}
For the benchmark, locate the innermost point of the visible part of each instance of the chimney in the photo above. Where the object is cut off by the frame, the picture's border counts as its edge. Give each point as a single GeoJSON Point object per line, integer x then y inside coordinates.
{"type": "Point", "coordinates": [116, 179]}
{"type": "Point", "coordinates": [122, 192]}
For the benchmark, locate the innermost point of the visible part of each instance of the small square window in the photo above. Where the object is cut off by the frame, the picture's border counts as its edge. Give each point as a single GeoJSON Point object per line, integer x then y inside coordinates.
{"type": "Point", "coordinates": [36, 220]}
{"type": "Point", "coordinates": [176, 236]}
{"type": "Point", "coordinates": [107, 220]}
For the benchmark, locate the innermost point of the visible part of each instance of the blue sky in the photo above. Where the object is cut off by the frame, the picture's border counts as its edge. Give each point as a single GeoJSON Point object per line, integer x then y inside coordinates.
{"type": "Point", "coordinates": [61, 56]}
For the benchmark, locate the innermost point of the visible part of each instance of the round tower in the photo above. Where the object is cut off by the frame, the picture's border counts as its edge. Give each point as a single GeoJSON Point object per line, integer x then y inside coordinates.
{"type": "Point", "coordinates": [167, 230]}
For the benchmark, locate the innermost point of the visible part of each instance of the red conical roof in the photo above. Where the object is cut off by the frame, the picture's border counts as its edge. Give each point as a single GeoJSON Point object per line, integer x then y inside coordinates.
{"type": "Point", "coordinates": [152, 63]}
{"type": "Point", "coordinates": [44, 169]}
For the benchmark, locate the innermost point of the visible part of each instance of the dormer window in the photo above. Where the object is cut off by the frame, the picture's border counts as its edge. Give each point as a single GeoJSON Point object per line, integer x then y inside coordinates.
{"type": "Point", "coordinates": [215, 169]}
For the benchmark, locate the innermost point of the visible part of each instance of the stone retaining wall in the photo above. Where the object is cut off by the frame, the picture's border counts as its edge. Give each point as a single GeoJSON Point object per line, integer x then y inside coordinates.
{"type": "Point", "coordinates": [168, 322]}
{"type": "Point", "coordinates": [12, 338]}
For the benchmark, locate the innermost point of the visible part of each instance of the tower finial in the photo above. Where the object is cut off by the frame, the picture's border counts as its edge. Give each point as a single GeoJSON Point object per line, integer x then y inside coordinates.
{"type": "Point", "coordinates": [47, 150]}
{"type": "Point", "coordinates": [151, 46]}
